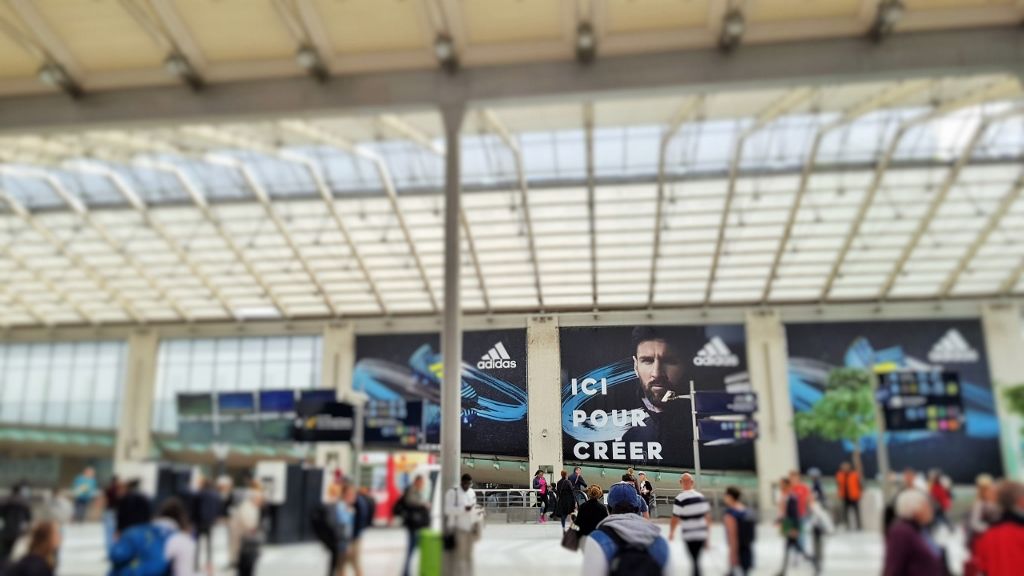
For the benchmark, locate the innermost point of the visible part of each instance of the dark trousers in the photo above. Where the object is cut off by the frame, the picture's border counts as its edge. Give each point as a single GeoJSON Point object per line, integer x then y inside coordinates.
{"type": "Point", "coordinates": [792, 543]}
{"type": "Point", "coordinates": [694, 548]}
{"type": "Point", "coordinates": [818, 536]}
{"type": "Point", "coordinates": [248, 555]}
{"type": "Point", "coordinates": [207, 537]}
{"type": "Point", "coordinates": [414, 542]}
{"type": "Point", "coordinates": [851, 506]}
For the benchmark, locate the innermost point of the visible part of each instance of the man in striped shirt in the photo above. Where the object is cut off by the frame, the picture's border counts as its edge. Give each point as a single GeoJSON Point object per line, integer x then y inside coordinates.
{"type": "Point", "coordinates": [692, 512]}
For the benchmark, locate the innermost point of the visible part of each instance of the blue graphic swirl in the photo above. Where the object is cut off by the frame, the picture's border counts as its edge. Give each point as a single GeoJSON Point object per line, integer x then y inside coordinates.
{"type": "Point", "coordinates": [615, 374]}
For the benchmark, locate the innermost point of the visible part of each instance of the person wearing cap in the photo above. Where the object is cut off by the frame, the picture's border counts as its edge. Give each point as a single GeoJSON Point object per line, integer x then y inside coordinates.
{"type": "Point", "coordinates": [625, 536]}
{"type": "Point", "coordinates": [692, 512]}
{"type": "Point", "coordinates": [642, 510]}
{"type": "Point", "coordinates": [461, 521]}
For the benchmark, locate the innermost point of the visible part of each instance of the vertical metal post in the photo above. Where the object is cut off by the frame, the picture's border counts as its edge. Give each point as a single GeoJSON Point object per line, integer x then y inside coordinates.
{"type": "Point", "coordinates": [696, 432]}
{"type": "Point", "coordinates": [451, 332]}
{"type": "Point", "coordinates": [882, 449]}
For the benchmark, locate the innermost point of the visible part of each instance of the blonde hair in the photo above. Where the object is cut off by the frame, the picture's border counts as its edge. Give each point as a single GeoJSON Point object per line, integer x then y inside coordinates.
{"type": "Point", "coordinates": [594, 492]}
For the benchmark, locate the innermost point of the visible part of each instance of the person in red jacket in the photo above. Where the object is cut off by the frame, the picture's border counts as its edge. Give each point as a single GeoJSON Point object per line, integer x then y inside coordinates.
{"type": "Point", "coordinates": [1000, 551]}
{"type": "Point", "coordinates": [941, 498]}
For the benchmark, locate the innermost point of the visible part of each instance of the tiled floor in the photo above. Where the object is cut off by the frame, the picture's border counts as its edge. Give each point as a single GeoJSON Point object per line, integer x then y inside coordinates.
{"type": "Point", "coordinates": [505, 550]}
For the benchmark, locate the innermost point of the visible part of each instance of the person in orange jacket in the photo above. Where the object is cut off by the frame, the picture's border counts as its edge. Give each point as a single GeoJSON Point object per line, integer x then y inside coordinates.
{"type": "Point", "coordinates": [848, 483]}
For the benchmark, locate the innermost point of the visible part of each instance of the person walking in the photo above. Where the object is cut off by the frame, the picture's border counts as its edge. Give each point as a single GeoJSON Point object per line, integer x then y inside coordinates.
{"type": "Point", "coordinates": [414, 511]}
{"type": "Point", "coordinates": [624, 544]}
{"type": "Point", "coordinates": [821, 525]}
{"type": "Point", "coordinates": [984, 511]}
{"type": "Point", "coordinates": [111, 498]}
{"type": "Point", "coordinates": [817, 490]}
{"type": "Point", "coordinates": [740, 530]}
{"type": "Point", "coordinates": [790, 523]}
{"type": "Point", "coordinates": [180, 548]}
{"type": "Point", "coordinates": [942, 499]}
{"type": "Point", "coordinates": [15, 522]}
{"type": "Point", "coordinates": [462, 524]}
{"type": "Point", "coordinates": [540, 484]}
{"type": "Point", "coordinates": [41, 559]}
{"type": "Point", "coordinates": [909, 548]}
{"type": "Point", "coordinates": [692, 512]}
{"type": "Point", "coordinates": [206, 512]}
{"type": "Point", "coordinates": [133, 508]}
{"type": "Point", "coordinates": [591, 513]}
{"type": "Point", "coordinates": [83, 488]}
{"type": "Point", "coordinates": [565, 502]}
{"type": "Point", "coordinates": [646, 491]}
{"type": "Point", "coordinates": [355, 523]}
{"type": "Point", "coordinates": [246, 530]}
{"type": "Point", "coordinates": [1000, 551]}
{"type": "Point", "coordinates": [848, 485]}
{"type": "Point", "coordinates": [579, 485]}
{"type": "Point", "coordinates": [328, 529]}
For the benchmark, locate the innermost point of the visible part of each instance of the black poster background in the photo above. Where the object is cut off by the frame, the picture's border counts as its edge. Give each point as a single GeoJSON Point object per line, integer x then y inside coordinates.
{"type": "Point", "coordinates": [481, 434]}
{"type": "Point", "coordinates": [607, 351]}
{"type": "Point", "coordinates": [815, 348]}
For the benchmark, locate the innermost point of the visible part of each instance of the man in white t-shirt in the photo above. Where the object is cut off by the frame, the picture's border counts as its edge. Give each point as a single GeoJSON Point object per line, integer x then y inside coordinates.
{"type": "Point", "coordinates": [692, 513]}
{"type": "Point", "coordinates": [462, 520]}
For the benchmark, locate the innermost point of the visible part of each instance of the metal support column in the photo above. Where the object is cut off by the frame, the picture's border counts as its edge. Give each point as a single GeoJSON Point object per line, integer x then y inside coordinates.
{"type": "Point", "coordinates": [1004, 347]}
{"type": "Point", "coordinates": [451, 332]}
{"type": "Point", "coordinates": [134, 432]}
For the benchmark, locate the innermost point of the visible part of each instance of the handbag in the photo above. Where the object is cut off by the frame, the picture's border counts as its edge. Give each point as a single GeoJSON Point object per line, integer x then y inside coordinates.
{"type": "Point", "coordinates": [571, 538]}
{"type": "Point", "coordinates": [449, 541]}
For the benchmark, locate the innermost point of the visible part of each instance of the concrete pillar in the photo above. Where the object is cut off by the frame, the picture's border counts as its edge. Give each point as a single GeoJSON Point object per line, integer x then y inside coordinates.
{"type": "Point", "coordinates": [1004, 342]}
{"type": "Point", "coordinates": [134, 432]}
{"type": "Point", "coordinates": [767, 359]}
{"type": "Point", "coordinates": [544, 383]}
{"type": "Point", "coordinates": [338, 358]}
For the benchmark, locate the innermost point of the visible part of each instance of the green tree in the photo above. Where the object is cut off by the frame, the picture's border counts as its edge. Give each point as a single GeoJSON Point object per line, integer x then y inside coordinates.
{"type": "Point", "coordinates": [846, 411]}
{"type": "Point", "coordinates": [1015, 401]}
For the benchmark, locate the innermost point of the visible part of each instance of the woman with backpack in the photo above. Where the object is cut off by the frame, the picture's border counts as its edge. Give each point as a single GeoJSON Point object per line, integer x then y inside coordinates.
{"type": "Point", "coordinates": [540, 484]}
{"type": "Point", "coordinates": [739, 531]}
{"type": "Point", "coordinates": [566, 501]}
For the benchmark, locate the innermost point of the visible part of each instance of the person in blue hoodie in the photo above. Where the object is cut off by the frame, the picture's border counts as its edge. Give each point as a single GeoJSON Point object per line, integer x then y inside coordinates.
{"type": "Point", "coordinates": [624, 542]}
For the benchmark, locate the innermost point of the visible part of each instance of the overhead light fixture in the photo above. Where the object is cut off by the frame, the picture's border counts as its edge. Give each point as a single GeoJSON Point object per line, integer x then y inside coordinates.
{"type": "Point", "coordinates": [890, 12]}
{"type": "Point", "coordinates": [734, 25]}
{"type": "Point", "coordinates": [178, 66]}
{"type": "Point", "coordinates": [444, 50]}
{"type": "Point", "coordinates": [309, 60]}
{"type": "Point", "coordinates": [53, 74]}
{"type": "Point", "coordinates": [586, 43]}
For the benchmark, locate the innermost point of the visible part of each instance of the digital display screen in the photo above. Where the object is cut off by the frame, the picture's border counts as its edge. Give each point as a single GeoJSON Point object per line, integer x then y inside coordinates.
{"type": "Point", "coordinates": [277, 401]}
{"type": "Point", "coordinates": [236, 403]}
{"type": "Point", "coordinates": [195, 405]}
{"type": "Point", "coordinates": [238, 432]}
{"type": "Point", "coordinates": [916, 400]}
{"type": "Point", "coordinates": [195, 432]}
{"type": "Point", "coordinates": [276, 429]}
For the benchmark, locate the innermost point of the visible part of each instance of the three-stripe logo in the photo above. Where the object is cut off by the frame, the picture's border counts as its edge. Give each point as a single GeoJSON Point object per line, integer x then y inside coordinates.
{"type": "Point", "coordinates": [495, 358]}
{"type": "Point", "coordinates": [716, 353]}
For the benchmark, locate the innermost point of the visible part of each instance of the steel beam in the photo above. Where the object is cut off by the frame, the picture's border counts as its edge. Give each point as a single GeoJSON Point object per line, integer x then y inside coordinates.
{"type": "Point", "coordinates": [62, 248]}
{"type": "Point", "coordinates": [824, 62]}
{"type": "Point", "coordinates": [524, 193]}
{"type": "Point", "coordinates": [423, 141]}
{"type": "Point", "coordinates": [933, 208]}
{"type": "Point", "coordinates": [199, 200]}
{"type": "Point", "coordinates": [991, 225]}
{"type": "Point", "coordinates": [993, 91]}
{"type": "Point", "coordinates": [82, 211]}
{"type": "Point", "coordinates": [323, 137]}
{"type": "Point", "coordinates": [883, 99]}
{"type": "Point", "coordinates": [785, 104]}
{"type": "Point", "coordinates": [685, 112]}
{"type": "Point", "coordinates": [588, 135]}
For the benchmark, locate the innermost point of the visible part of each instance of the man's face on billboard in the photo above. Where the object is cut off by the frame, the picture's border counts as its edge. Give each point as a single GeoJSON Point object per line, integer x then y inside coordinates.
{"type": "Point", "coordinates": [659, 369]}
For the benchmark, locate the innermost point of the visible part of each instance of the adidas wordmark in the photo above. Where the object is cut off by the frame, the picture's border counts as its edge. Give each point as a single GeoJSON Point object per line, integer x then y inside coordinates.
{"type": "Point", "coordinates": [716, 353]}
{"type": "Point", "coordinates": [496, 357]}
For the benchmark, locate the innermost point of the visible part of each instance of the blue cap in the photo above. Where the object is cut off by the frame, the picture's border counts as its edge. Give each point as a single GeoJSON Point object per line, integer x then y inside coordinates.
{"type": "Point", "coordinates": [623, 494]}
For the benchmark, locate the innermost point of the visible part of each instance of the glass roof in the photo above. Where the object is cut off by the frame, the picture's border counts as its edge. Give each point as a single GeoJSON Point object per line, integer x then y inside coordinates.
{"type": "Point", "coordinates": [875, 191]}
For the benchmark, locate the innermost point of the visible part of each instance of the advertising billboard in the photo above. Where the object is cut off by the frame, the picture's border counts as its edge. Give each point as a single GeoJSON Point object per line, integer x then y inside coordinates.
{"type": "Point", "coordinates": [408, 368]}
{"type": "Point", "coordinates": [622, 389]}
{"type": "Point", "coordinates": [922, 346]}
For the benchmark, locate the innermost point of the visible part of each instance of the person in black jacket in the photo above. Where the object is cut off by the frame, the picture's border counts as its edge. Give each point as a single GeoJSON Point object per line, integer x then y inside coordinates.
{"type": "Point", "coordinates": [15, 521]}
{"type": "Point", "coordinates": [206, 510]}
{"type": "Point", "coordinates": [566, 503]}
{"type": "Point", "coordinates": [414, 511]}
{"type": "Point", "coordinates": [591, 512]}
{"type": "Point", "coordinates": [328, 528]}
{"type": "Point", "coordinates": [41, 559]}
{"type": "Point", "coordinates": [134, 508]}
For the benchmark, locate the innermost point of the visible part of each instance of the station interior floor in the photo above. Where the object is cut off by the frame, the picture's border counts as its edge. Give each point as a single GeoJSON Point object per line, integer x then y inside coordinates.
{"type": "Point", "coordinates": [513, 549]}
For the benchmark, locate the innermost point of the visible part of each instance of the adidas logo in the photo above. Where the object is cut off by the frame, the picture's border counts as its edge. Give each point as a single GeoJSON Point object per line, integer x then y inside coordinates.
{"type": "Point", "coordinates": [496, 357]}
{"type": "Point", "coordinates": [952, 347]}
{"type": "Point", "coordinates": [716, 353]}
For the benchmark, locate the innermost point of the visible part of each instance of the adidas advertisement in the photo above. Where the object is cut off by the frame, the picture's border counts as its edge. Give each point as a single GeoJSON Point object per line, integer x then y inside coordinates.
{"type": "Point", "coordinates": [625, 393]}
{"type": "Point", "coordinates": [400, 371]}
{"type": "Point", "coordinates": [955, 346]}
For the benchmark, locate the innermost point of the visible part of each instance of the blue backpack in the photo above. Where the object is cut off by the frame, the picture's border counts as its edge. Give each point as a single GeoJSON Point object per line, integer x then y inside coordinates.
{"type": "Point", "coordinates": [140, 552]}
{"type": "Point", "coordinates": [625, 559]}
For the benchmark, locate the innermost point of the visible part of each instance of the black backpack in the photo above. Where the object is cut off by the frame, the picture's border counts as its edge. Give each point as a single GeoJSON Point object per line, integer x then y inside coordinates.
{"type": "Point", "coordinates": [630, 559]}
